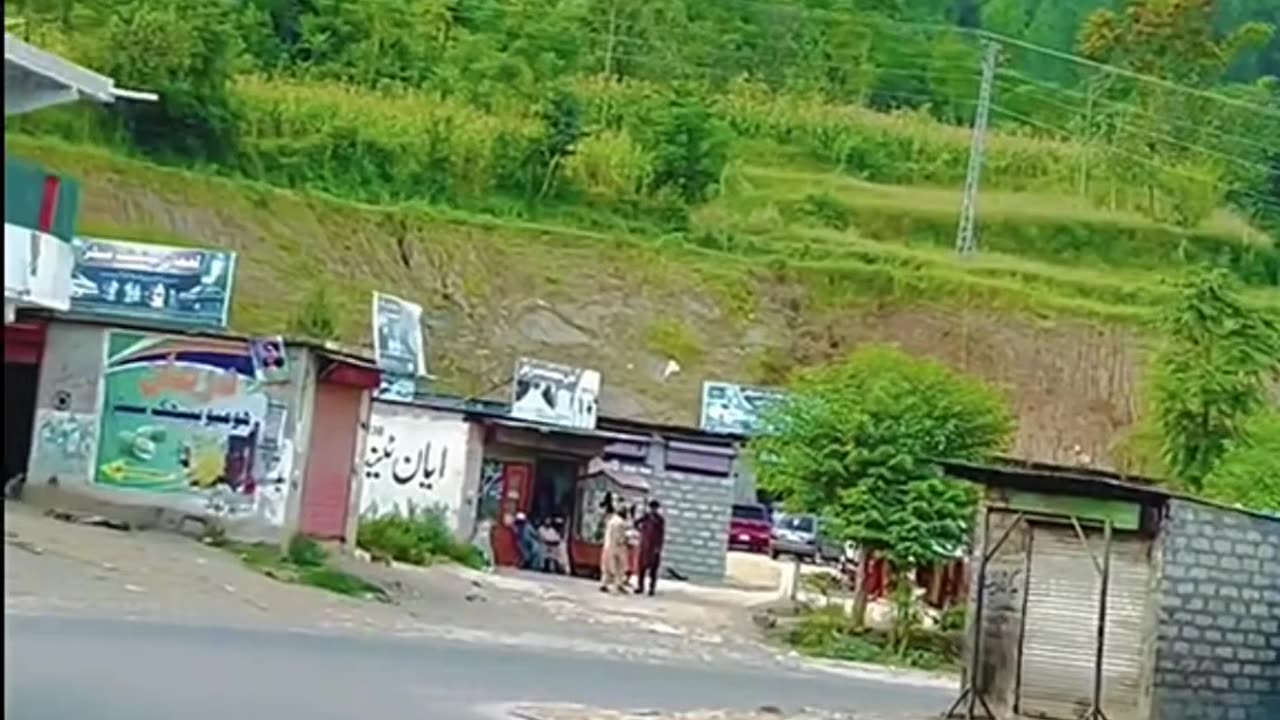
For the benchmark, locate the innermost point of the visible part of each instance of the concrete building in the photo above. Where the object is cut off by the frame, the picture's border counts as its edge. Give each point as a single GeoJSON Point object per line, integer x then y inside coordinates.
{"type": "Point", "coordinates": [1097, 596]}
{"type": "Point", "coordinates": [472, 460]}
{"type": "Point", "coordinates": [160, 427]}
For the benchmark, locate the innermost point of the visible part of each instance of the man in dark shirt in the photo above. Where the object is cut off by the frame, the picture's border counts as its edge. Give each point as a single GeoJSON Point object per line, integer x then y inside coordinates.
{"type": "Point", "coordinates": [653, 533]}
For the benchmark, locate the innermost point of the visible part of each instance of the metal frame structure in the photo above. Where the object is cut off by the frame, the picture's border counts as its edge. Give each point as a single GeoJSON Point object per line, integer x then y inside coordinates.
{"type": "Point", "coordinates": [971, 697]}
{"type": "Point", "coordinates": [35, 79]}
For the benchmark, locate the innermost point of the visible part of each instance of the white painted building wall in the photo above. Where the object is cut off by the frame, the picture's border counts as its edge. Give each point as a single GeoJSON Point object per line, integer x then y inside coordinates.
{"type": "Point", "coordinates": [421, 458]}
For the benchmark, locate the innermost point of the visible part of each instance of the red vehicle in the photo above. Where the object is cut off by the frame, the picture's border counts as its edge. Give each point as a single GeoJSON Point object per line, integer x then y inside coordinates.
{"type": "Point", "coordinates": [750, 529]}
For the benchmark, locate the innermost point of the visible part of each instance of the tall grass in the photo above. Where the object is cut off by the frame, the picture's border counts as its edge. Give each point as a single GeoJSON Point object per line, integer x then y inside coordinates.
{"type": "Point", "coordinates": [379, 148]}
{"type": "Point", "coordinates": [899, 148]}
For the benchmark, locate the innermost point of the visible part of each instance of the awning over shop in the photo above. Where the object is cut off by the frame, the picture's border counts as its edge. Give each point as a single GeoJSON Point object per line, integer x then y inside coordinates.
{"type": "Point", "coordinates": [632, 481]}
{"type": "Point", "coordinates": [36, 79]}
{"type": "Point", "coordinates": [344, 369]}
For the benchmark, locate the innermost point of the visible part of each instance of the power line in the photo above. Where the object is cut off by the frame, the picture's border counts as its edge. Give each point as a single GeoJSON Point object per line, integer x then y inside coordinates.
{"type": "Point", "coordinates": [1240, 161]}
{"type": "Point", "coordinates": [1114, 70]}
{"type": "Point", "coordinates": [1059, 89]}
{"type": "Point", "coordinates": [927, 74]}
{"type": "Point", "coordinates": [1261, 199]}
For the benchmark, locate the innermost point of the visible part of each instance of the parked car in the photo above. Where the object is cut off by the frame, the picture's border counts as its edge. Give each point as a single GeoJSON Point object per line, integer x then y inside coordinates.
{"type": "Point", "coordinates": [750, 529]}
{"type": "Point", "coordinates": [802, 536]}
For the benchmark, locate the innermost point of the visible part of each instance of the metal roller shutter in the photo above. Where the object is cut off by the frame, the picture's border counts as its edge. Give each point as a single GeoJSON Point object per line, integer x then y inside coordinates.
{"type": "Point", "coordinates": [1062, 619]}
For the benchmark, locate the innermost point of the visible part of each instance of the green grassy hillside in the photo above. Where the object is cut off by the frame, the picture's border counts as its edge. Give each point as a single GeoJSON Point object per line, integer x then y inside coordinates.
{"type": "Point", "coordinates": [619, 190]}
{"type": "Point", "coordinates": [1067, 345]}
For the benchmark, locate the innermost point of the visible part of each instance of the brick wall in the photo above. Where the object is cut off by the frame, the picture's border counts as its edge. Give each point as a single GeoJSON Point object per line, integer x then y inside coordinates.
{"type": "Point", "coordinates": [697, 508]}
{"type": "Point", "coordinates": [1218, 648]}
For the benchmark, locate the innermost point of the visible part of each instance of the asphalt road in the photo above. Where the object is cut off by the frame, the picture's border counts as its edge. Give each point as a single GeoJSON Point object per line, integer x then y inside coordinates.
{"type": "Point", "coordinates": [64, 669]}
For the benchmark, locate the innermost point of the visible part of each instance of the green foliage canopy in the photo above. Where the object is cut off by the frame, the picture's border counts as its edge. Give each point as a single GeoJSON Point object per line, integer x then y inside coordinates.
{"type": "Point", "coordinates": [853, 442]}
{"type": "Point", "coordinates": [1211, 374]}
{"type": "Point", "coordinates": [1249, 472]}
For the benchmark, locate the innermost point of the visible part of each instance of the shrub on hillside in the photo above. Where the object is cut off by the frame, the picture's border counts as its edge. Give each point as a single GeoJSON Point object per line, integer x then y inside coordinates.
{"type": "Point", "coordinates": [418, 537]}
{"type": "Point", "coordinates": [315, 319]}
{"type": "Point", "coordinates": [1249, 472]}
{"type": "Point", "coordinates": [186, 54]}
{"type": "Point", "coordinates": [609, 165]}
{"type": "Point", "coordinates": [690, 148]}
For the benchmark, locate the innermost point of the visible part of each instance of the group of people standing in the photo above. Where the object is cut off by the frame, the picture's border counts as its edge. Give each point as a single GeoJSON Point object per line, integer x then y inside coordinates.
{"type": "Point", "coordinates": [632, 546]}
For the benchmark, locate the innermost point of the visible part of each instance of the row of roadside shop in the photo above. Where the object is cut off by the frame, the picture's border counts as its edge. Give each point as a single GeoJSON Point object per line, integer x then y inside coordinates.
{"type": "Point", "coordinates": [137, 399]}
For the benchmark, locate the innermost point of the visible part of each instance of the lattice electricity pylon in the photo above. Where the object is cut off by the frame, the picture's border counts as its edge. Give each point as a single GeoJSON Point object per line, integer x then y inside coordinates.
{"type": "Point", "coordinates": [966, 233]}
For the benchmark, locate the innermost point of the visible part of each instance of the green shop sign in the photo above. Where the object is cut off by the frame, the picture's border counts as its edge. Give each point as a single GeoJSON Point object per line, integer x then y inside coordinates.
{"type": "Point", "coordinates": [1124, 515]}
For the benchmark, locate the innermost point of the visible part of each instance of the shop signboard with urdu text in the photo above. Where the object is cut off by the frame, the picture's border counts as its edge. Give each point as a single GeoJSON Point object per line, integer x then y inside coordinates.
{"type": "Point", "coordinates": [736, 409]}
{"type": "Point", "coordinates": [555, 394]}
{"type": "Point", "coordinates": [156, 283]}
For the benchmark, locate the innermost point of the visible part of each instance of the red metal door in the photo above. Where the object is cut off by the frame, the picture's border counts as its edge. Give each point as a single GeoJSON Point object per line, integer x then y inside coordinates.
{"type": "Point", "coordinates": [516, 481]}
{"type": "Point", "coordinates": [326, 489]}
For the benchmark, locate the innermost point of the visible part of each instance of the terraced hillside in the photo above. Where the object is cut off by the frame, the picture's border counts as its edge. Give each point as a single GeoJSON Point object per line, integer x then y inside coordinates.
{"type": "Point", "coordinates": [745, 188]}
{"type": "Point", "coordinates": [1067, 344]}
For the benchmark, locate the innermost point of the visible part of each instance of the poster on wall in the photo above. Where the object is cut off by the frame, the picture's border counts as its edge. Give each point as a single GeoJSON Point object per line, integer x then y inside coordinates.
{"type": "Point", "coordinates": [397, 336]}
{"type": "Point", "coordinates": [189, 419]}
{"type": "Point", "coordinates": [555, 394]}
{"type": "Point", "coordinates": [270, 363]}
{"type": "Point", "coordinates": [175, 286]}
{"type": "Point", "coordinates": [735, 409]}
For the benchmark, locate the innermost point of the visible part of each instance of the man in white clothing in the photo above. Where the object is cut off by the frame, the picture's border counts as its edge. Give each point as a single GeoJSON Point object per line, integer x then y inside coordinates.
{"type": "Point", "coordinates": [613, 557]}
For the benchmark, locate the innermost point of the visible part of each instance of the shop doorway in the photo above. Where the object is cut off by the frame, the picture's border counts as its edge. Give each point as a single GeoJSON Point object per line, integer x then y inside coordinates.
{"type": "Point", "coordinates": [20, 381]}
{"type": "Point", "coordinates": [542, 490]}
{"type": "Point", "coordinates": [553, 482]}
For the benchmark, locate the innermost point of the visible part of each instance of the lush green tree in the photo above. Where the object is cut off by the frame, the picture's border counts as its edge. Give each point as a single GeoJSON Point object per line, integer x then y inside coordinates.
{"type": "Point", "coordinates": [1211, 373]}
{"type": "Point", "coordinates": [187, 53]}
{"type": "Point", "coordinates": [562, 117]}
{"type": "Point", "coordinates": [690, 148]}
{"type": "Point", "coordinates": [855, 442]}
{"type": "Point", "coordinates": [1171, 39]}
{"type": "Point", "coordinates": [1249, 472]}
{"type": "Point", "coordinates": [1177, 40]}
{"type": "Point", "coordinates": [507, 57]}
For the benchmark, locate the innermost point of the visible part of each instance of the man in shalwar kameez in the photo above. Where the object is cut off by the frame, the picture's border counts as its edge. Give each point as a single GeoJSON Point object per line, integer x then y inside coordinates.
{"type": "Point", "coordinates": [613, 556]}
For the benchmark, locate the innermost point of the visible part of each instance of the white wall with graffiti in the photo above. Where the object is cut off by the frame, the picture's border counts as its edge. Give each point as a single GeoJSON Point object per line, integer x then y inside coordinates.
{"type": "Point", "coordinates": [65, 442]}
{"type": "Point", "coordinates": [419, 458]}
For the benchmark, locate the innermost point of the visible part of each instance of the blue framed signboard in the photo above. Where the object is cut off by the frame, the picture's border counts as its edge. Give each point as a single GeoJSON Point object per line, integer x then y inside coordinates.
{"type": "Point", "coordinates": [152, 283]}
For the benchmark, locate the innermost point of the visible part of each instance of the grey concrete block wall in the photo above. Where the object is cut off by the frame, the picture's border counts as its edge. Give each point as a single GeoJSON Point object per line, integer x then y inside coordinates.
{"type": "Point", "coordinates": [697, 509]}
{"type": "Point", "coordinates": [1218, 641]}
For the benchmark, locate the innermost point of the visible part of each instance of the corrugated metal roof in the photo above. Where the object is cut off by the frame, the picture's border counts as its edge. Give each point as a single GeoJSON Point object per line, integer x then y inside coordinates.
{"type": "Point", "coordinates": [1080, 481]}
